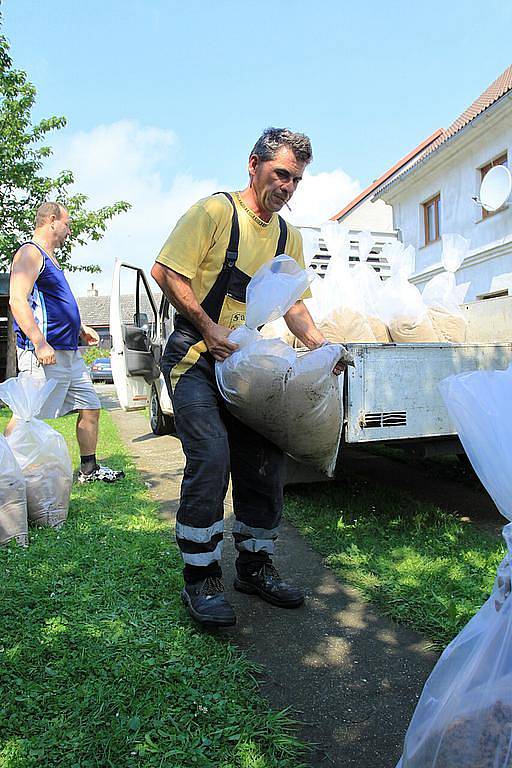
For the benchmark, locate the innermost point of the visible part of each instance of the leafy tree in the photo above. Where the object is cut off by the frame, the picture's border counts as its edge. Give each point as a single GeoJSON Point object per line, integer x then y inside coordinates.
{"type": "Point", "coordinates": [91, 353]}
{"type": "Point", "coordinates": [23, 185]}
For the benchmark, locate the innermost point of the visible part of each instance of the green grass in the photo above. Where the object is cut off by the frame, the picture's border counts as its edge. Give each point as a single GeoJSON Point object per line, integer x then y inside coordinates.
{"type": "Point", "coordinates": [99, 663]}
{"type": "Point", "coordinates": [421, 566]}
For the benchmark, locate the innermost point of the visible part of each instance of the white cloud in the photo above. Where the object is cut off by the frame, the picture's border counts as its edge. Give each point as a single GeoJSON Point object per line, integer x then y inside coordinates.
{"type": "Point", "coordinates": [127, 161]}
{"type": "Point", "coordinates": [122, 161]}
{"type": "Point", "coordinates": [319, 196]}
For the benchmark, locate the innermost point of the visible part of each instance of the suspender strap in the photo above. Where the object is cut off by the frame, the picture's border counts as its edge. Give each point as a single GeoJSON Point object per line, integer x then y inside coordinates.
{"type": "Point", "coordinates": [230, 279]}
{"type": "Point", "coordinates": [212, 303]}
{"type": "Point", "coordinates": [283, 235]}
{"type": "Point", "coordinates": [234, 238]}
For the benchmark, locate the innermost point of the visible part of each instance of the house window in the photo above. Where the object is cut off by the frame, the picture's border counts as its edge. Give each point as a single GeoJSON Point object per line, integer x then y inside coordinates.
{"type": "Point", "coordinates": [431, 218]}
{"type": "Point", "coordinates": [501, 160]}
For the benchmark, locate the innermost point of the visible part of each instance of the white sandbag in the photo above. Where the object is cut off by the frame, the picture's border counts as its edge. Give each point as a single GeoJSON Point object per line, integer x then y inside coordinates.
{"type": "Point", "coordinates": [278, 329]}
{"type": "Point", "coordinates": [450, 327]}
{"type": "Point", "coordinates": [316, 307]}
{"type": "Point", "coordinates": [442, 295]}
{"type": "Point", "coordinates": [410, 329]}
{"type": "Point", "coordinates": [379, 329]}
{"type": "Point", "coordinates": [13, 498]}
{"type": "Point", "coordinates": [294, 401]}
{"type": "Point", "coordinates": [274, 288]}
{"type": "Point", "coordinates": [40, 451]}
{"type": "Point", "coordinates": [401, 306]}
{"type": "Point", "coordinates": [345, 325]}
{"type": "Point", "coordinates": [340, 311]}
{"type": "Point", "coordinates": [368, 287]}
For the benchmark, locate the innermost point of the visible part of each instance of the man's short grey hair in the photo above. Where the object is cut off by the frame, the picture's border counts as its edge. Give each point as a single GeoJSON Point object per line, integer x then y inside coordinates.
{"type": "Point", "coordinates": [273, 139]}
{"type": "Point", "coordinates": [46, 210]}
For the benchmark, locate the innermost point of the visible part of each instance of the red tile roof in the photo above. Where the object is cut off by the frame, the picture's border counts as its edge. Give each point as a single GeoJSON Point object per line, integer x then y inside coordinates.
{"type": "Point", "coordinates": [497, 89]}
{"type": "Point", "coordinates": [420, 149]}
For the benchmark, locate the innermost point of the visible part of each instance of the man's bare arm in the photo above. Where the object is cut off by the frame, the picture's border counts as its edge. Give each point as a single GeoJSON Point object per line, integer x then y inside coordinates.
{"type": "Point", "coordinates": [301, 324]}
{"type": "Point", "coordinates": [25, 269]}
{"type": "Point", "coordinates": [178, 290]}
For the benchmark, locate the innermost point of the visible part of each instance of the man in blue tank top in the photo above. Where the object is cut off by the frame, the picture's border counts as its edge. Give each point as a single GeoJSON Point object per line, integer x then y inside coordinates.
{"type": "Point", "coordinates": [48, 329]}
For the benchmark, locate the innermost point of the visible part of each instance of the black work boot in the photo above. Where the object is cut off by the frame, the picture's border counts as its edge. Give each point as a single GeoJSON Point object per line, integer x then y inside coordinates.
{"type": "Point", "coordinates": [264, 580]}
{"type": "Point", "coordinates": [206, 603]}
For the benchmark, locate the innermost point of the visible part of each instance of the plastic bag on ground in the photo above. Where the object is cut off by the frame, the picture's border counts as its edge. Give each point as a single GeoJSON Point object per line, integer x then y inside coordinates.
{"type": "Point", "coordinates": [292, 400]}
{"type": "Point", "coordinates": [401, 306]}
{"type": "Point", "coordinates": [464, 715]}
{"type": "Point", "coordinates": [40, 451]}
{"type": "Point", "coordinates": [13, 498]}
{"type": "Point", "coordinates": [442, 296]}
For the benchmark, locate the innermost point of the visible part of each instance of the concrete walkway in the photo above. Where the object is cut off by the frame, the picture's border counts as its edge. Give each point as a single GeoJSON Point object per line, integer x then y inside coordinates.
{"type": "Point", "coordinates": [350, 676]}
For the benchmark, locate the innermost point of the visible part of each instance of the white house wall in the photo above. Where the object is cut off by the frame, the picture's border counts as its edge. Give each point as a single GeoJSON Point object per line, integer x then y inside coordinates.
{"type": "Point", "coordinates": [454, 173]}
{"type": "Point", "coordinates": [377, 217]}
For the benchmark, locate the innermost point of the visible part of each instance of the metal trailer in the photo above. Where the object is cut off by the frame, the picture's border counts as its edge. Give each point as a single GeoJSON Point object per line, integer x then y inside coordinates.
{"type": "Point", "coordinates": [390, 397]}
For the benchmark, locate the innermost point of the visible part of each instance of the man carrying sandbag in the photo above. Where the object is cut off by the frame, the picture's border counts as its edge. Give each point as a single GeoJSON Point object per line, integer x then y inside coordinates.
{"type": "Point", "coordinates": [48, 327]}
{"type": "Point", "coordinates": [203, 269]}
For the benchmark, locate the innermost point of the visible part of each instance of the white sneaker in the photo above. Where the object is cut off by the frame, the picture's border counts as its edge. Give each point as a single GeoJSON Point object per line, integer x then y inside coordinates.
{"type": "Point", "coordinates": [104, 474]}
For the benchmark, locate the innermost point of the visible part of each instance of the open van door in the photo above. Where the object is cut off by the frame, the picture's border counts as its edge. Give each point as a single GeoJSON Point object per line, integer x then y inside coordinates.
{"type": "Point", "coordinates": [135, 331]}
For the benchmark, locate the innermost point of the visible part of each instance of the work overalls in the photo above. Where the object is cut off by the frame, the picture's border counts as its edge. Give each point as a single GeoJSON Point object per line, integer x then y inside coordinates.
{"type": "Point", "coordinates": [215, 443]}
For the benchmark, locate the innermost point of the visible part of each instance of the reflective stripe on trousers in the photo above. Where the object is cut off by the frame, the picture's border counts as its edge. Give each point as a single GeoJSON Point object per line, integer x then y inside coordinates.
{"type": "Point", "coordinates": [216, 444]}
{"type": "Point", "coordinates": [253, 539]}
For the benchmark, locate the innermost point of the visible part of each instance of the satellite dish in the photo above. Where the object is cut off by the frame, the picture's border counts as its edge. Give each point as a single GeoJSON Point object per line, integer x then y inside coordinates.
{"type": "Point", "coordinates": [495, 188]}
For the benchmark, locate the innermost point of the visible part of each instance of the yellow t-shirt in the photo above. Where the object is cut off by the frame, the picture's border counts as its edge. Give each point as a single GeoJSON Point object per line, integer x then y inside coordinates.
{"type": "Point", "coordinates": [196, 248]}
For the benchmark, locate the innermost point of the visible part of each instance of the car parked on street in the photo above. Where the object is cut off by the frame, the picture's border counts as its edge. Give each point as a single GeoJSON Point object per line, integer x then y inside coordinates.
{"type": "Point", "coordinates": [101, 370]}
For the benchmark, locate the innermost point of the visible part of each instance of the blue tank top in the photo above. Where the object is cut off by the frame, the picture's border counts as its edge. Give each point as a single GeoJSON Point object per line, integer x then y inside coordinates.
{"type": "Point", "coordinates": [54, 307]}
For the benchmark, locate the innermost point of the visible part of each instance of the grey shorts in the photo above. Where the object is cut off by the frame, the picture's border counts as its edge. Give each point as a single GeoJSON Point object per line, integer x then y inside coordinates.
{"type": "Point", "coordinates": [74, 390]}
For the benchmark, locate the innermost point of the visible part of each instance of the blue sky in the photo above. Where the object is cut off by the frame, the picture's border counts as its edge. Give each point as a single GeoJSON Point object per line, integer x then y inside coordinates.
{"type": "Point", "coordinates": [165, 99]}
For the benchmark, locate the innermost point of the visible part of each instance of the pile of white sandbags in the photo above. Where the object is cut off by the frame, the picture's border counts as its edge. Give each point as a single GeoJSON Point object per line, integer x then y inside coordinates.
{"type": "Point", "coordinates": [40, 451]}
{"type": "Point", "coordinates": [293, 400]}
{"type": "Point", "coordinates": [351, 304]}
{"type": "Point", "coordinates": [343, 303]}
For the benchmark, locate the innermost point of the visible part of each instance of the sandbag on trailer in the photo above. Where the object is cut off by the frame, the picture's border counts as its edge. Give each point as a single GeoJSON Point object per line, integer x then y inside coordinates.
{"type": "Point", "coordinates": [401, 306]}
{"type": "Point", "coordinates": [443, 297]}
{"type": "Point", "coordinates": [13, 498]}
{"type": "Point", "coordinates": [368, 285]}
{"type": "Point", "coordinates": [40, 451]}
{"type": "Point", "coordinates": [341, 309]}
